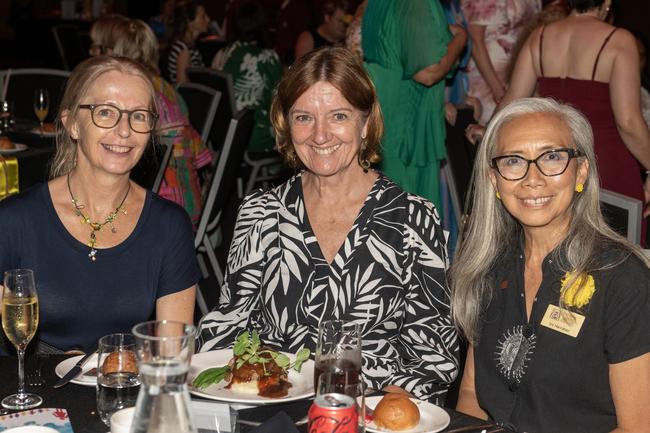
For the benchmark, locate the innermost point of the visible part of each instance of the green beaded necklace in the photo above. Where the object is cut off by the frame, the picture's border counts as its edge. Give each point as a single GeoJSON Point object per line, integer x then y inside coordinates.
{"type": "Point", "coordinates": [96, 226]}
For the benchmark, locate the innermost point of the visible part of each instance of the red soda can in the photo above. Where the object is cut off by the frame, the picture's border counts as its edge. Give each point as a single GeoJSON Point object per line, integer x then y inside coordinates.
{"type": "Point", "coordinates": [333, 413]}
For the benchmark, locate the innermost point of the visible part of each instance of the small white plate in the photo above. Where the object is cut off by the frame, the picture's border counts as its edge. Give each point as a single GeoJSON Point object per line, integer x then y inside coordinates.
{"type": "Point", "coordinates": [302, 383]}
{"type": "Point", "coordinates": [31, 429]}
{"type": "Point", "coordinates": [432, 418]}
{"type": "Point", "coordinates": [64, 366]}
{"type": "Point", "coordinates": [19, 147]}
{"type": "Point", "coordinates": [39, 420]}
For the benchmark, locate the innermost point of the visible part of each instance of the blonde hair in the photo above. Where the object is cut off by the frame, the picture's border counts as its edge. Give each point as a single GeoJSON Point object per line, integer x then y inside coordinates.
{"type": "Point", "coordinates": [490, 232]}
{"type": "Point", "coordinates": [339, 67]}
{"type": "Point", "coordinates": [81, 80]}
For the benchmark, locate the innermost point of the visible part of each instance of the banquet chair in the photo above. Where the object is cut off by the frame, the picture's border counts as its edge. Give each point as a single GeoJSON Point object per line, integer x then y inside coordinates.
{"type": "Point", "coordinates": [221, 185]}
{"type": "Point", "coordinates": [150, 170]}
{"type": "Point", "coordinates": [23, 82]}
{"type": "Point", "coordinates": [222, 81]}
{"type": "Point", "coordinates": [69, 44]}
{"type": "Point", "coordinates": [623, 214]}
{"type": "Point", "coordinates": [202, 102]}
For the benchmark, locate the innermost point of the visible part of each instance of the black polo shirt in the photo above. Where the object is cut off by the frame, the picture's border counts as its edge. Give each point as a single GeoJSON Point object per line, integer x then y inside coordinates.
{"type": "Point", "coordinates": [539, 380]}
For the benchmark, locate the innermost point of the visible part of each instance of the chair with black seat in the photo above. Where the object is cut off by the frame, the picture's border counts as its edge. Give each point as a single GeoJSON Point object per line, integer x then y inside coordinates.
{"type": "Point", "coordinates": [23, 82]}
{"type": "Point", "coordinates": [202, 103]}
{"type": "Point", "coordinates": [70, 46]}
{"type": "Point", "coordinates": [150, 170]}
{"type": "Point", "coordinates": [222, 82]}
{"type": "Point", "coordinates": [221, 186]}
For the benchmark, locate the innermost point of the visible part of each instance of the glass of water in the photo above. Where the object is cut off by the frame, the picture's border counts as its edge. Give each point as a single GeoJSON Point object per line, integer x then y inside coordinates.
{"type": "Point", "coordinates": [118, 381]}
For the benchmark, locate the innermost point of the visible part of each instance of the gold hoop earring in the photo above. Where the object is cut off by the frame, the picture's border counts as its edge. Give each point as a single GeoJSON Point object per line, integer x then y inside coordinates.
{"type": "Point", "coordinates": [579, 188]}
{"type": "Point", "coordinates": [498, 195]}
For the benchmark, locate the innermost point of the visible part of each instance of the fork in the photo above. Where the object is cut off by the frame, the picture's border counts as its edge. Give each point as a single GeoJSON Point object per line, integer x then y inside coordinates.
{"type": "Point", "coordinates": [35, 378]}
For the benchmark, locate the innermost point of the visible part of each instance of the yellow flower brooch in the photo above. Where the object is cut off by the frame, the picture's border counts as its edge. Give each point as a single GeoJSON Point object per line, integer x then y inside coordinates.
{"type": "Point", "coordinates": [577, 290]}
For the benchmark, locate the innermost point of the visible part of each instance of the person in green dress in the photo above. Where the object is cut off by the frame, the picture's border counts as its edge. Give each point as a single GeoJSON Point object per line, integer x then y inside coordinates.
{"type": "Point", "coordinates": [409, 49]}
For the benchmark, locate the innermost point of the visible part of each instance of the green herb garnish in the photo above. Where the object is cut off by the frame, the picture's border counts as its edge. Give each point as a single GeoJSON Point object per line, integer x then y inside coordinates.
{"type": "Point", "coordinates": [247, 349]}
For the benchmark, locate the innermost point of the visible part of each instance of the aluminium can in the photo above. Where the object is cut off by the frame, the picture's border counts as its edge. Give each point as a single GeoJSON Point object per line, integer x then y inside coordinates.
{"type": "Point", "coordinates": [333, 413]}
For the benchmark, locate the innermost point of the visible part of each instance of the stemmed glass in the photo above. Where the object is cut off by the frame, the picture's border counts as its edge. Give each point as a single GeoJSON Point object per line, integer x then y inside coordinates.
{"type": "Point", "coordinates": [41, 104]}
{"type": "Point", "coordinates": [19, 322]}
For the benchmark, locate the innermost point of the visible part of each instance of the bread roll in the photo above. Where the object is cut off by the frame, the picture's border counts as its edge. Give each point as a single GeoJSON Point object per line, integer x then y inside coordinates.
{"type": "Point", "coordinates": [120, 361]}
{"type": "Point", "coordinates": [396, 412]}
{"type": "Point", "coordinates": [6, 143]}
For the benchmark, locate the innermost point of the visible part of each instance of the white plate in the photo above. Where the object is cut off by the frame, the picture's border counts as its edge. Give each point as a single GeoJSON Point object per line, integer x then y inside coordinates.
{"type": "Point", "coordinates": [42, 133]}
{"type": "Point", "coordinates": [64, 366]}
{"type": "Point", "coordinates": [41, 420]}
{"type": "Point", "coordinates": [303, 382]}
{"type": "Point", "coordinates": [432, 418]}
{"type": "Point", "coordinates": [19, 147]}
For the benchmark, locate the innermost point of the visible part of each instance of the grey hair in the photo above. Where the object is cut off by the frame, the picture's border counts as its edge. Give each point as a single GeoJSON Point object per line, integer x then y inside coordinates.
{"type": "Point", "coordinates": [490, 231]}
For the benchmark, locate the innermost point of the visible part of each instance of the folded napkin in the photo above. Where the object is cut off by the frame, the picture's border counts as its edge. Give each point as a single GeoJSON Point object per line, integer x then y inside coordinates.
{"type": "Point", "coordinates": [8, 176]}
{"type": "Point", "coordinates": [47, 417]}
{"type": "Point", "coordinates": [280, 422]}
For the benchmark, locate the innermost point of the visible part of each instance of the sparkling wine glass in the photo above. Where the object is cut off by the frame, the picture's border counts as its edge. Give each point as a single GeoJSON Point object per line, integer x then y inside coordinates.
{"type": "Point", "coordinates": [19, 322]}
{"type": "Point", "coordinates": [41, 104]}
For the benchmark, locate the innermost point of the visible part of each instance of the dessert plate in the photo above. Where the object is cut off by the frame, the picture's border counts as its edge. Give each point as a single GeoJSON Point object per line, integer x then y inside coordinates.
{"type": "Point", "coordinates": [18, 147]}
{"type": "Point", "coordinates": [83, 379]}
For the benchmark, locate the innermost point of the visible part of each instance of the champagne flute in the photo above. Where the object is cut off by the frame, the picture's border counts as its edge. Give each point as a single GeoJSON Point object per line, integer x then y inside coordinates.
{"type": "Point", "coordinates": [19, 322]}
{"type": "Point", "coordinates": [41, 104]}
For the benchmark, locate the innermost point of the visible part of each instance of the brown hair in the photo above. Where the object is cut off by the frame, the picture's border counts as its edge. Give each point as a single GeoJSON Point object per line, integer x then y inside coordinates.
{"type": "Point", "coordinates": [82, 78]}
{"type": "Point", "coordinates": [339, 67]}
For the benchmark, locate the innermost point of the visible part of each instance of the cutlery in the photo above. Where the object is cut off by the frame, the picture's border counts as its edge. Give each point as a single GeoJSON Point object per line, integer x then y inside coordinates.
{"type": "Point", "coordinates": [74, 371]}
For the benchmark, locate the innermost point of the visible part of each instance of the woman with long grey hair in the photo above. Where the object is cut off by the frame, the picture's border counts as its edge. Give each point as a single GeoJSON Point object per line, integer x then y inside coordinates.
{"type": "Point", "coordinates": [555, 304]}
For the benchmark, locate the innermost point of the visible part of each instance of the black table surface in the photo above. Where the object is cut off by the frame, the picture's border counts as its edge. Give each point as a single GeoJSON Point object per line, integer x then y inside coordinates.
{"type": "Point", "coordinates": [80, 401]}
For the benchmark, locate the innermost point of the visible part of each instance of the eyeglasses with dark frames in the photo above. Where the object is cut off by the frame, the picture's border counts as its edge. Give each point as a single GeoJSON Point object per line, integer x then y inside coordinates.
{"type": "Point", "coordinates": [553, 162]}
{"type": "Point", "coordinates": [107, 116]}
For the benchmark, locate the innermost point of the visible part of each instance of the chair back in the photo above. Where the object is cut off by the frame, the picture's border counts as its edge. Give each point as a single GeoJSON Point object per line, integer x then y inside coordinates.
{"type": "Point", "coordinates": [221, 186]}
{"type": "Point", "coordinates": [202, 102]}
{"type": "Point", "coordinates": [23, 82]}
{"type": "Point", "coordinates": [623, 214]}
{"type": "Point", "coordinates": [68, 42]}
{"type": "Point", "coordinates": [150, 170]}
{"type": "Point", "coordinates": [222, 82]}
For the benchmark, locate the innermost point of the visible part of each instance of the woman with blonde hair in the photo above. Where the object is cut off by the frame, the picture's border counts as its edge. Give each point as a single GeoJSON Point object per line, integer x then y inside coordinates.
{"type": "Point", "coordinates": [554, 303]}
{"type": "Point", "coordinates": [106, 253]}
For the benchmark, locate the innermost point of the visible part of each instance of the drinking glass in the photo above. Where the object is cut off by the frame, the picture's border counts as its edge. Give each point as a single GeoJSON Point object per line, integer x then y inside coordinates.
{"type": "Point", "coordinates": [164, 350]}
{"type": "Point", "coordinates": [41, 104]}
{"type": "Point", "coordinates": [118, 381]}
{"type": "Point", "coordinates": [328, 383]}
{"type": "Point", "coordinates": [338, 351]}
{"type": "Point", "coordinates": [19, 322]}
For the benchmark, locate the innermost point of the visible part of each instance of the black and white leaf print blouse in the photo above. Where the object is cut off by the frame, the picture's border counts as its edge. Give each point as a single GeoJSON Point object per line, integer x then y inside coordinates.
{"type": "Point", "coordinates": [388, 276]}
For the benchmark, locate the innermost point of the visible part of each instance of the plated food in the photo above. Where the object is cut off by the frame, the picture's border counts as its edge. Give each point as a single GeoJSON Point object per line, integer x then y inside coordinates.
{"type": "Point", "coordinates": [396, 412]}
{"type": "Point", "coordinates": [254, 369]}
{"type": "Point", "coordinates": [431, 417]}
{"type": "Point", "coordinates": [6, 143]}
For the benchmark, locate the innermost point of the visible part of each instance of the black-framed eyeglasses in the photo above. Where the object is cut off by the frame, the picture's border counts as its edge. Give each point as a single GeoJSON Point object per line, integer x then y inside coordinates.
{"type": "Point", "coordinates": [107, 116]}
{"type": "Point", "coordinates": [550, 163]}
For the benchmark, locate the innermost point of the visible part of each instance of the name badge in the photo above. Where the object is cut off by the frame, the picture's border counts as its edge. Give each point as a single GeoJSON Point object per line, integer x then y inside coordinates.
{"type": "Point", "coordinates": [564, 321]}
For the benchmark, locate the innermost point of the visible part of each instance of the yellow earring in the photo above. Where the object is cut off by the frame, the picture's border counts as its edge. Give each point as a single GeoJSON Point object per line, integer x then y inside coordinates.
{"type": "Point", "coordinates": [498, 195]}
{"type": "Point", "coordinates": [580, 187]}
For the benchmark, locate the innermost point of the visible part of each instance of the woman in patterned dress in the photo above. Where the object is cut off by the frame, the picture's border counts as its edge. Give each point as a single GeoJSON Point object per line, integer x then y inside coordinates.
{"type": "Point", "coordinates": [494, 27]}
{"type": "Point", "coordinates": [339, 241]}
{"type": "Point", "coordinates": [555, 304]}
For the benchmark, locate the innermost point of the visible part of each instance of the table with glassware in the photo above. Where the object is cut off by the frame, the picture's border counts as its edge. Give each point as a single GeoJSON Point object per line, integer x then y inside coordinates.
{"type": "Point", "coordinates": [81, 403]}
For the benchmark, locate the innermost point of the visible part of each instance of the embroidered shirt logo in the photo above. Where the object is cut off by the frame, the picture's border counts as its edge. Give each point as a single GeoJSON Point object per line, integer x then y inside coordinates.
{"type": "Point", "coordinates": [577, 290]}
{"type": "Point", "coordinates": [513, 351]}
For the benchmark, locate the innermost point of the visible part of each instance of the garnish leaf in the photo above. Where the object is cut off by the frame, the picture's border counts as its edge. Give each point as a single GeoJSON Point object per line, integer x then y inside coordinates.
{"type": "Point", "coordinates": [301, 357]}
{"type": "Point", "coordinates": [282, 360]}
{"type": "Point", "coordinates": [210, 376]}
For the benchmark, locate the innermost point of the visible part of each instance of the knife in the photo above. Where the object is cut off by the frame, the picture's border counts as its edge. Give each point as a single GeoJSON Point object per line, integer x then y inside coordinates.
{"type": "Point", "coordinates": [74, 371]}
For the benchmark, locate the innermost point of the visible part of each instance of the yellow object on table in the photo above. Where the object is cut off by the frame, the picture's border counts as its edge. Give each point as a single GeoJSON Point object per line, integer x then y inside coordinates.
{"type": "Point", "coordinates": [8, 176]}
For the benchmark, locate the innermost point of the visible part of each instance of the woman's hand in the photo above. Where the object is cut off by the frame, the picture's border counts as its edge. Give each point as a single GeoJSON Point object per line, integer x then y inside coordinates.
{"type": "Point", "coordinates": [474, 133]}
{"type": "Point", "coordinates": [450, 113]}
{"type": "Point", "coordinates": [477, 108]}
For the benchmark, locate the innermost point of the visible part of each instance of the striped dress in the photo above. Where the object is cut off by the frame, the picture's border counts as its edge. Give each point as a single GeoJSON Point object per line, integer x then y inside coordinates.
{"type": "Point", "coordinates": [195, 57]}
